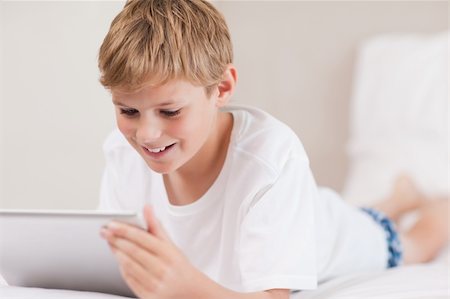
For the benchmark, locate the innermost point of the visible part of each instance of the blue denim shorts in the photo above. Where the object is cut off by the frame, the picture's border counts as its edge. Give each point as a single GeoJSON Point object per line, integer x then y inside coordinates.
{"type": "Point", "coordinates": [395, 251]}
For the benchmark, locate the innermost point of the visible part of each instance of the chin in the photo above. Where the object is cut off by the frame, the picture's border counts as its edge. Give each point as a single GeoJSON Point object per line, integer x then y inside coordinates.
{"type": "Point", "coordinates": [161, 168]}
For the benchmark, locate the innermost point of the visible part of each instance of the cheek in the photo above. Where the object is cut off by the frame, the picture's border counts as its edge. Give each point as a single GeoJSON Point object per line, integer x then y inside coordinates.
{"type": "Point", "coordinates": [180, 129]}
{"type": "Point", "coordinates": [125, 126]}
{"type": "Point", "coordinates": [197, 126]}
{"type": "Point", "coordinates": [188, 129]}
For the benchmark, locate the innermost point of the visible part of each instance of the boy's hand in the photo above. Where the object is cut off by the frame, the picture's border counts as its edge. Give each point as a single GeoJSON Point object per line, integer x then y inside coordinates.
{"type": "Point", "coordinates": [150, 263]}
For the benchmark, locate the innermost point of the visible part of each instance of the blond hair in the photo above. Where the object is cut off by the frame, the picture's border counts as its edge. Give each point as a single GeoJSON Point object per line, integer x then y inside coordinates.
{"type": "Point", "coordinates": [154, 41]}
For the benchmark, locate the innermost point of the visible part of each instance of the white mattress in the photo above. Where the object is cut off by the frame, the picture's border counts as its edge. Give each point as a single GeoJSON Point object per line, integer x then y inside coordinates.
{"type": "Point", "coordinates": [426, 281]}
{"type": "Point", "coordinates": [407, 282]}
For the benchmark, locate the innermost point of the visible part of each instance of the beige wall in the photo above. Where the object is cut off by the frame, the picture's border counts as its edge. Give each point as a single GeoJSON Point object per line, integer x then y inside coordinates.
{"type": "Point", "coordinates": [295, 59]}
{"type": "Point", "coordinates": [55, 113]}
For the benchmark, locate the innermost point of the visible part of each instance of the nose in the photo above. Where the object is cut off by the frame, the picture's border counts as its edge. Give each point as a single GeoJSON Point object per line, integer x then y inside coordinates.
{"type": "Point", "coordinates": [149, 130]}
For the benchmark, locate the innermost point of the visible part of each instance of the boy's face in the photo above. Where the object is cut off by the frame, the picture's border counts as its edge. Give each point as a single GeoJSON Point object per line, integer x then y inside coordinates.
{"type": "Point", "coordinates": [167, 125]}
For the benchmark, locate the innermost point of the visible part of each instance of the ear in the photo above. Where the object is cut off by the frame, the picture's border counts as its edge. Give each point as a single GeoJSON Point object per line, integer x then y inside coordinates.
{"type": "Point", "coordinates": [226, 86]}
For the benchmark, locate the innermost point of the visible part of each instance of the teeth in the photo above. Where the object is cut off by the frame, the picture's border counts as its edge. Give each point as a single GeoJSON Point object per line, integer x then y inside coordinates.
{"type": "Point", "coordinates": [156, 150]}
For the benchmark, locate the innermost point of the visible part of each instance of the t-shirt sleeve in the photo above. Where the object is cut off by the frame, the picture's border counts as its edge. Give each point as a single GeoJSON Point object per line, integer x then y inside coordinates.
{"type": "Point", "coordinates": [277, 247]}
{"type": "Point", "coordinates": [125, 178]}
{"type": "Point", "coordinates": [109, 186]}
{"type": "Point", "coordinates": [109, 199]}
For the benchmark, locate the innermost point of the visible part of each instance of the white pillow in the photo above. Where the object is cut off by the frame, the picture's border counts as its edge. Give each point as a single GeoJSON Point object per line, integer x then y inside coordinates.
{"type": "Point", "coordinates": [399, 116]}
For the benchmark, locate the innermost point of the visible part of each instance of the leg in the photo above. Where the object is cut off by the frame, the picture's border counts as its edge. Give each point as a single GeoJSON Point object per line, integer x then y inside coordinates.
{"type": "Point", "coordinates": [429, 234]}
{"type": "Point", "coordinates": [423, 241]}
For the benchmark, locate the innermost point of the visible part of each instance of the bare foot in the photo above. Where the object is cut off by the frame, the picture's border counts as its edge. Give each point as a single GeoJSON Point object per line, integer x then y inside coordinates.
{"type": "Point", "coordinates": [405, 197]}
{"type": "Point", "coordinates": [438, 209]}
{"type": "Point", "coordinates": [406, 194]}
{"type": "Point", "coordinates": [430, 233]}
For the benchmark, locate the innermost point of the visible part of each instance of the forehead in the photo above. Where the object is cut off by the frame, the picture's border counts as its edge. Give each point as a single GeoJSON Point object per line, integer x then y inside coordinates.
{"type": "Point", "coordinates": [172, 91]}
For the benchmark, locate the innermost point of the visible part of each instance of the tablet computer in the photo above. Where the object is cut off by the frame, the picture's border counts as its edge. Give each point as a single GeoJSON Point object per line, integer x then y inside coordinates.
{"type": "Point", "coordinates": [61, 250]}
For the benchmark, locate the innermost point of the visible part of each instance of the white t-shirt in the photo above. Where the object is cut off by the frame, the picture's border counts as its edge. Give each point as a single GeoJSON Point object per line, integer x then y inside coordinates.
{"type": "Point", "coordinates": [263, 224]}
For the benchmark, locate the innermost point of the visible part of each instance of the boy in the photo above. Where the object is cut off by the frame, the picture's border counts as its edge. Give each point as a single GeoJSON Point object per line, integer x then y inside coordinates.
{"type": "Point", "coordinates": [235, 211]}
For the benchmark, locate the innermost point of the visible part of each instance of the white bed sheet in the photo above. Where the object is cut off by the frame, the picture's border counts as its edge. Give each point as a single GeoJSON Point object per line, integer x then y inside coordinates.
{"type": "Point", "coordinates": [424, 281]}
{"type": "Point", "coordinates": [35, 293]}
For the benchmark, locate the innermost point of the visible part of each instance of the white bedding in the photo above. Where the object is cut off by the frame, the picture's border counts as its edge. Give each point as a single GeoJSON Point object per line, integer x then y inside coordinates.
{"type": "Point", "coordinates": [35, 293]}
{"type": "Point", "coordinates": [409, 282]}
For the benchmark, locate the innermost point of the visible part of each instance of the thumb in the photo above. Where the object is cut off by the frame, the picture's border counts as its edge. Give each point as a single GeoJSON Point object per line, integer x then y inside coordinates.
{"type": "Point", "coordinates": [153, 225]}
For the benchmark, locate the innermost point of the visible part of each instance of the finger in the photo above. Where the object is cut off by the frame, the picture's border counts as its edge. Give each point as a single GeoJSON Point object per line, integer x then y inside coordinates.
{"type": "Point", "coordinates": [145, 259]}
{"type": "Point", "coordinates": [138, 289]}
{"type": "Point", "coordinates": [154, 226]}
{"type": "Point", "coordinates": [138, 236]}
{"type": "Point", "coordinates": [135, 276]}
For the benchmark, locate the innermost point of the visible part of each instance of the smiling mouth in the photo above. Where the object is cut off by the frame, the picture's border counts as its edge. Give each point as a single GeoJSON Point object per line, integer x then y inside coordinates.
{"type": "Point", "coordinates": [158, 150]}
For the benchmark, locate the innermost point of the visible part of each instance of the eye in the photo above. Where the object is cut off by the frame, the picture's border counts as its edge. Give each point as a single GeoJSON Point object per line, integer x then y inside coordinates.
{"type": "Point", "coordinates": [170, 113]}
{"type": "Point", "coordinates": [129, 112]}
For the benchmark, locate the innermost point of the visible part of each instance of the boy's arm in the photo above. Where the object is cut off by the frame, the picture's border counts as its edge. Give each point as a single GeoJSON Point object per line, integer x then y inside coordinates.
{"type": "Point", "coordinates": [209, 289]}
{"type": "Point", "coordinates": [206, 288]}
{"type": "Point", "coordinates": [154, 268]}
